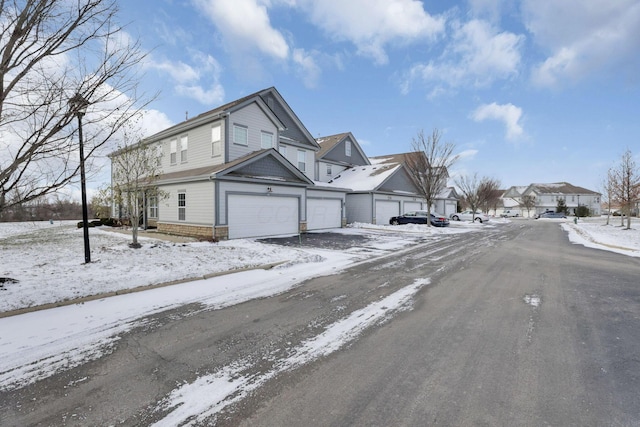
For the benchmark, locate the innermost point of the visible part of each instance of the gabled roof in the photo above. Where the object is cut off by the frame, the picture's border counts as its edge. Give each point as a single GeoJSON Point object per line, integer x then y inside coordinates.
{"type": "Point", "coordinates": [400, 158]}
{"type": "Point", "coordinates": [240, 169]}
{"type": "Point", "coordinates": [364, 178]}
{"type": "Point", "coordinates": [219, 112]}
{"type": "Point", "coordinates": [293, 119]}
{"type": "Point", "coordinates": [328, 143]}
{"type": "Point", "coordinates": [557, 188]}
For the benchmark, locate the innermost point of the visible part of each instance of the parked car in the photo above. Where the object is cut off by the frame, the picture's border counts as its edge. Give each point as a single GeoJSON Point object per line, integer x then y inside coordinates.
{"type": "Point", "coordinates": [419, 217]}
{"type": "Point", "coordinates": [509, 213]}
{"type": "Point", "coordinates": [551, 215]}
{"type": "Point", "coordinates": [469, 216]}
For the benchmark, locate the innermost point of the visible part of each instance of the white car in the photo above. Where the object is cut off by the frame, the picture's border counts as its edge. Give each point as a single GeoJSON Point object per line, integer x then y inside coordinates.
{"type": "Point", "coordinates": [469, 216]}
{"type": "Point", "coordinates": [509, 213]}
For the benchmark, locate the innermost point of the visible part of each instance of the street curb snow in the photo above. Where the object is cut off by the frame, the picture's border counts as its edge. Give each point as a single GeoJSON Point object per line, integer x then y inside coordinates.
{"type": "Point", "coordinates": [88, 298]}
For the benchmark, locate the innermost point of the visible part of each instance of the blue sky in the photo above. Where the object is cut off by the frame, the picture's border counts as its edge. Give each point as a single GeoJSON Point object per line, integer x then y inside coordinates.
{"type": "Point", "coordinates": [528, 91]}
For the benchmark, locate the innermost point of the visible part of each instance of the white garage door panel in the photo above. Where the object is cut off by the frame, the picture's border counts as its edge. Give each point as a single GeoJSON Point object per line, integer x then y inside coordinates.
{"type": "Point", "coordinates": [385, 210]}
{"type": "Point", "coordinates": [323, 214]}
{"type": "Point", "coordinates": [412, 206]}
{"type": "Point", "coordinates": [258, 216]}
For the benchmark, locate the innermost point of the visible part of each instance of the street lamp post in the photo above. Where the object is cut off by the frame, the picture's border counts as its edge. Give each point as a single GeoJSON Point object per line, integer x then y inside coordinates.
{"type": "Point", "coordinates": [578, 209]}
{"type": "Point", "coordinates": [78, 106]}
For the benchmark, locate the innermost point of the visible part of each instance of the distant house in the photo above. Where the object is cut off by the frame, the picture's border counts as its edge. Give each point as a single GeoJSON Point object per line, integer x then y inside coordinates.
{"type": "Point", "coordinates": [546, 198]}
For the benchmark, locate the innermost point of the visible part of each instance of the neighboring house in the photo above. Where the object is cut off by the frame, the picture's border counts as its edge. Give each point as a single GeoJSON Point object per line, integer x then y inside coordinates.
{"type": "Point", "coordinates": [240, 170]}
{"type": "Point", "coordinates": [547, 196]}
{"type": "Point", "coordinates": [337, 153]}
{"type": "Point", "coordinates": [447, 202]}
{"type": "Point", "coordinates": [377, 192]}
{"type": "Point", "coordinates": [511, 201]}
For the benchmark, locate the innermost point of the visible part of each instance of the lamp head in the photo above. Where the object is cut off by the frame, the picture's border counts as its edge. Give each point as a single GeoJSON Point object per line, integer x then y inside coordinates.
{"type": "Point", "coordinates": [78, 105]}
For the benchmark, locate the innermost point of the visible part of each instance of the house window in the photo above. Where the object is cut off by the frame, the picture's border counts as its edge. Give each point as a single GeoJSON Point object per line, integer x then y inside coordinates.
{"type": "Point", "coordinates": [153, 207]}
{"type": "Point", "coordinates": [159, 154]}
{"type": "Point", "coordinates": [266, 139]}
{"type": "Point", "coordinates": [283, 150]}
{"type": "Point", "coordinates": [184, 142]}
{"type": "Point", "coordinates": [302, 160]}
{"type": "Point", "coordinates": [182, 206]}
{"type": "Point", "coordinates": [328, 170]}
{"type": "Point", "coordinates": [347, 148]}
{"type": "Point", "coordinates": [216, 141]}
{"type": "Point", "coordinates": [240, 135]}
{"type": "Point", "coordinates": [174, 151]}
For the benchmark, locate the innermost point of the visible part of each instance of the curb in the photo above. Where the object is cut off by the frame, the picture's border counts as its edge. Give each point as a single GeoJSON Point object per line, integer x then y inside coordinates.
{"type": "Point", "coordinates": [88, 298]}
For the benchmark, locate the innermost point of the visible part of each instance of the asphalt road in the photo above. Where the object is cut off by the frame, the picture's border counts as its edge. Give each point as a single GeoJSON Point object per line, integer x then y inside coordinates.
{"type": "Point", "coordinates": [517, 328]}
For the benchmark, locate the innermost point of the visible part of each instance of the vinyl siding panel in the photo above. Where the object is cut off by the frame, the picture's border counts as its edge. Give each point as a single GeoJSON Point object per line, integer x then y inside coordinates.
{"type": "Point", "coordinates": [199, 152]}
{"type": "Point", "coordinates": [254, 119]}
{"type": "Point", "coordinates": [199, 203]}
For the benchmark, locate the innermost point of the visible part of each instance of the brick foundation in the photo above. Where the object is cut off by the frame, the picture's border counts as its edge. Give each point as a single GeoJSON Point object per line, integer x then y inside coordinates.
{"type": "Point", "coordinates": [197, 231]}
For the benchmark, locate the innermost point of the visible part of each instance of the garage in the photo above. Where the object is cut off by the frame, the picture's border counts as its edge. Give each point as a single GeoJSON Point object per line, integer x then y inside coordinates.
{"type": "Point", "coordinates": [412, 206]}
{"type": "Point", "coordinates": [324, 213]}
{"type": "Point", "coordinates": [385, 209]}
{"type": "Point", "coordinates": [260, 216]}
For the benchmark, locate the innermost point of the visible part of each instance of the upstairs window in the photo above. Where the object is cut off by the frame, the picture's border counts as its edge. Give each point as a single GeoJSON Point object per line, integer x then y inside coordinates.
{"type": "Point", "coordinates": [184, 142]}
{"type": "Point", "coordinates": [216, 141]}
{"type": "Point", "coordinates": [347, 148]}
{"type": "Point", "coordinates": [174, 151]}
{"type": "Point", "coordinates": [266, 139]}
{"type": "Point", "coordinates": [283, 150]}
{"type": "Point", "coordinates": [302, 160]}
{"type": "Point", "coordinates": [328, 170]}
{"type": "Point", "coordinates": [240, 135]}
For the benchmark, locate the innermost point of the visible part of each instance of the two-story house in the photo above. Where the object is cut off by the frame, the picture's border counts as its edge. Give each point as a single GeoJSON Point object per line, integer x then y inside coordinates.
{"type": "Point", "coordinates": [250, 168]}
{"type": "Point", "coordinates": [239, 170]}
{"type": "Point", "coordinates": [547, 197]}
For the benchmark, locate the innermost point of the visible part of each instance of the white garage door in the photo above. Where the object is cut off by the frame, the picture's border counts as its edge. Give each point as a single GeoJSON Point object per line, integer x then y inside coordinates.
{"type": "Point", "coordinates": [412, 206]}
{"type": "Point", "coordinates": [323, 214]}
{"type": "Point", "coordinates": [385, 210]}
{"type": "Point", "coordinates": [259, 216]}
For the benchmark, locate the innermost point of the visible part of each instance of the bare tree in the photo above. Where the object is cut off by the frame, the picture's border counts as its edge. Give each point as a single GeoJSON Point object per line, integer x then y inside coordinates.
{"type": "Point", "coordinates": [135, 169]}
{"type": "Point", "coordinates": [528, 202]}
{"type": "Point", "coordinates": [627, 185]}
{"type": "Point", "coordinates": [489, 193]}
{"type": "Point", "coordinates": [607, 188]}
{"type": "Point", "coordinates": [476, 191]}
{"type": "Point", "coordinates": [428, 165]}
{"type": "Point", "coordinates": [51, 50]}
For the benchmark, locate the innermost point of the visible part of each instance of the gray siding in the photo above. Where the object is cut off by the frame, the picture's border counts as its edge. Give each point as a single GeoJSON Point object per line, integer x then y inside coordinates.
{"type": "Point", "coordinates": [199, 203]}
{"type": "Point", "coordinates": [265, 168]}
{"type": "Point", "coordinates": [199, 151]}
{"type": "Point", "coordinates": [338, 154]}
{"type": "Point", "coordinates": [292, 131]}
{"type": "Point", "coordinates": [255, 120]}
{"type": "Point", "coordinates": [398, 182]}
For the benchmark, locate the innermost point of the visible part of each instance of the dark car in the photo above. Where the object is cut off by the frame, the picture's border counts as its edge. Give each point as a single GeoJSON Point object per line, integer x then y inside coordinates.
{"type": "Point", "coordinates": [419, 217]}
{"type": "Point", "coordinates": [552, 215]}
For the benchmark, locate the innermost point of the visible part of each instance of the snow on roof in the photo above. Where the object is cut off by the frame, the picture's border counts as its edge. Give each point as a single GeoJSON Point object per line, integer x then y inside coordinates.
{"type": "Point", "coordinates": [364, 178]}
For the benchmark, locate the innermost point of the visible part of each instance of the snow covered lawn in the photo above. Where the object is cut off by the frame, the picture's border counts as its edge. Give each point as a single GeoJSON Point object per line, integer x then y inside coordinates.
{"type": "Point", "coordinates": [47, 260]}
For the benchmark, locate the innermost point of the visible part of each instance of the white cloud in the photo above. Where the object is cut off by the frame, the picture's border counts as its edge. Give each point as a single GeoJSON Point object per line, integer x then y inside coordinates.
{"type": "Point", "coordinates": [245, 24]}
{"type": "Point", "coordinates": [308, 69]}
{"type": "Point", "coordinates": [582, 37]}
{"type": "Point", "coordinates": [477, 55]}
{"type": "Point", "coordinates": [200, 81]}
{"type": "Point", "coordinates": [509, 114]}
{"type": "Point", "coordinates": [373, 24]}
